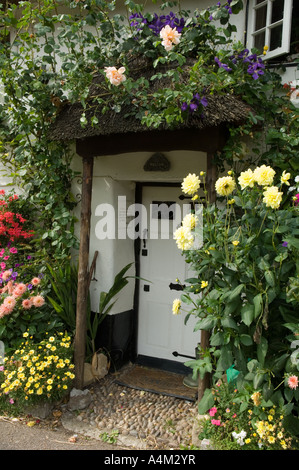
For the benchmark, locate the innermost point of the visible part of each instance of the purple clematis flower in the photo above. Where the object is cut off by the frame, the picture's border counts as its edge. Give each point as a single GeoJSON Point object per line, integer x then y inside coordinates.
{"type": "Point", "coordinates": [221, 65]}
{"type": "Point", "coordinates": [196, 101]}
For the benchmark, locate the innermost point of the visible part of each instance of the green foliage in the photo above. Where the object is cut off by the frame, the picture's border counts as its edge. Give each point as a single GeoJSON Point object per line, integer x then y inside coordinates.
{"type": "Point", "coordinates": [241, 419]}
{"type": "Point", "coordinates": [244, 283]}
{"type": "Point", "coordinates": [63, 298]}
{"type": "Point", "coordinates": [58, 47]}
{"type": "Point", "coordinates": [23, 284]}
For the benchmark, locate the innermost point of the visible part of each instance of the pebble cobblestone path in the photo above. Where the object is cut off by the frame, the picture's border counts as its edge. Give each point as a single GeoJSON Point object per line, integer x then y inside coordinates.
{"type": "Point", "coordinates": [144, 419]}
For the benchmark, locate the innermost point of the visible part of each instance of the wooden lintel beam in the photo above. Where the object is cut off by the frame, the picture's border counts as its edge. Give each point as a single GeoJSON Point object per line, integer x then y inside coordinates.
{"type": "Point", "coordinates": [209, 140]}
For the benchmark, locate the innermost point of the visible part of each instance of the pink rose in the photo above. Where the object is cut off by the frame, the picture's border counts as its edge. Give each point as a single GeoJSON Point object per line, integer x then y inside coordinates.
{"type": "Point", "coordinates": [116, 77]}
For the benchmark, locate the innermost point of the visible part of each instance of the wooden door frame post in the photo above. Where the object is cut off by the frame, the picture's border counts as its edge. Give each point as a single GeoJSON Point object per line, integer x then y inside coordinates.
{"type": "Point", "coordinates": [83, 272]}
{"type": "Point", "coordinates": [204, 383]}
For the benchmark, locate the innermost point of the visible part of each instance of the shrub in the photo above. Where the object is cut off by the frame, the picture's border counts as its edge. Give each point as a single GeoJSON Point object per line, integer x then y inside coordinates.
{"type": "Point", "coordinates": [244, 275]}
{"type": "Point", "coordinates": [23, 307]}
{"type": "Point", "coordinates": [244, 420]}
{"type": "Point", "coordinates": [36, 372]}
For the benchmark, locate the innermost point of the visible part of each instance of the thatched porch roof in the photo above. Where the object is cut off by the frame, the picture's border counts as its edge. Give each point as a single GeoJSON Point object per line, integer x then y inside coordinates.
{"type": "Point", "coordinates": [221, 111]}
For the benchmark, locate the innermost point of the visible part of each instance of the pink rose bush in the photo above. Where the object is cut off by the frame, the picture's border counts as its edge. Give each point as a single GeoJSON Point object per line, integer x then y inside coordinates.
{"type": "Point", "coordinates": [114, 75]}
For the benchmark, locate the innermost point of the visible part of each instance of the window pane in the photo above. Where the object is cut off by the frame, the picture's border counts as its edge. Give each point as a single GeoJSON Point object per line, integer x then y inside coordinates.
{"type": "Point", "coordinates": [275, 37]}
{"type": "Point", "coordinates": [259, 41]}
{"type": "Point", "coordinates": [277, 10]}
{"type": "Point", "coordinates": [259, 1]}
{"type": "Point", "coordinates": [260, 17]}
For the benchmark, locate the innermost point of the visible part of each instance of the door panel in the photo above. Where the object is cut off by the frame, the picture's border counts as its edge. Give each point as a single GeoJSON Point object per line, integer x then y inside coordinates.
{"type": "Point", "coordinates": [160, 333]}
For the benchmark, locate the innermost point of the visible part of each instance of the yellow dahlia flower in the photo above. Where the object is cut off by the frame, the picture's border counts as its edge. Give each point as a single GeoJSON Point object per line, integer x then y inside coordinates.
{"type": "Point", "coordinates": [246, 178]}
{"type": "Point", "coordinates": [190, 184]}
{"type": "Point", "coordinates": [176, 306]}
{"type": "Point", "coordinates": [272, 197]}
{"type": "Point", "coordinates": [264, 175]}
{"type": "Point", "coordinates": [183, 238]}
{"type": "Point", "coordinates": [189, 221]}
{"type": "Point", "coordinates": [225, 185]}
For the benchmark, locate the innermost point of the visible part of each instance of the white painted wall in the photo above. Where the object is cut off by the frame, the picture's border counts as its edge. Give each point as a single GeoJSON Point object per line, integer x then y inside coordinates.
{"type": "Point", "coordinates": [115, 176]}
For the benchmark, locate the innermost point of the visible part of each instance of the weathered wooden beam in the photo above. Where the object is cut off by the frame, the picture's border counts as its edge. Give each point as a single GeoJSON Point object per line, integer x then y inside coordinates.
{"type": "Point", "coordinates": [204, 383]}
{"type": "Point", "coordinates": [209, 139]}
{"type": "Point", "coordinates": [83, 273]}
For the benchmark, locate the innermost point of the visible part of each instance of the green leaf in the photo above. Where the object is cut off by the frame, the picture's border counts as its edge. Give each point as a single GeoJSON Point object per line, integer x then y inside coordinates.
{"type": "Point", "coordinates": [216, 339]}
{"type": "Point", "coordinates": [206, 402]}
{"type": "Point", "coordinates": [247, 314]}
{"type": "Point", "coordinates": [243, 406]}
{"type": "Point", "coordinates": [293, 242]}
{"type": "Point", "coordinates": [246, 340]}
{"type": "Point", "coordinates": [236, 292]}
{"type": "Point", "coordinates": [205, 324]}
{"type": "Point", "coordinates": [229, 322]}
{"type": "Point", "coordinates": [186, 299]}
{"type": "Point", "coordinates": [262, 349]}
{"type": "Point", "coordinates": [258, 303]}
{"type": "Point", "coordinates": [270, 278]}
{"type": "Point", "coordinates": [258, 380]}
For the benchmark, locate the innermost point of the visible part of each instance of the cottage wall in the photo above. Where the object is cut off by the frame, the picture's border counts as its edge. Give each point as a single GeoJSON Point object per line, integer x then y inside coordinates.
{"type": "Point", "coordinates": [114, 185]}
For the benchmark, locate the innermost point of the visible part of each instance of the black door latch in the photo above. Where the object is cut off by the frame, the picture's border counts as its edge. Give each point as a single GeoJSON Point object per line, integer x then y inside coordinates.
{"type": "Point", "coordinates": [176, 286]}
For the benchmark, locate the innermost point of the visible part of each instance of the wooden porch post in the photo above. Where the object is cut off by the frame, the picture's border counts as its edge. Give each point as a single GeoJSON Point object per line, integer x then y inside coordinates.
{"type": "Point", "coordinates": [83, 273]}
{"type": "Point", "coordinates": [205, 335]}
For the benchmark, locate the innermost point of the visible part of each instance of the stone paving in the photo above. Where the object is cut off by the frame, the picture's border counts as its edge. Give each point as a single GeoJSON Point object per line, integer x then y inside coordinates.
{"type": "Point", "coordinates": [133, 418]}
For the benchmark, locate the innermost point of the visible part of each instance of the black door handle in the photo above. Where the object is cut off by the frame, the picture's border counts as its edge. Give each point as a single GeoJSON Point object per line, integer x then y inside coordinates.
{"type": "Point", "coordinates": [176, 286]}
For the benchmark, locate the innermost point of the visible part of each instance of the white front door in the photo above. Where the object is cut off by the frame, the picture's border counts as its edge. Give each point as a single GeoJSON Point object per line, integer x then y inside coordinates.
{"type": "Point", "coordinates": [160, 332]}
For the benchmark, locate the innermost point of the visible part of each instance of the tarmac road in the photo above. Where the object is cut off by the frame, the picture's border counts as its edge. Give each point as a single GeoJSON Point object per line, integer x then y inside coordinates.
{"type": "Point", "coordinates": [16, 435]}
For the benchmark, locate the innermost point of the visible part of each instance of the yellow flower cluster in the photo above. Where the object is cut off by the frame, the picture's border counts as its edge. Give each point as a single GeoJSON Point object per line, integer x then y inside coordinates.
{"type": "Point", "coordinates": [183, 235]}
{"type": "Point", "coordinates": [271, 431]}
{"type": "Point", "coordinates": [262, 176]}
{"type": "Point", "coordinates": [36, 370]}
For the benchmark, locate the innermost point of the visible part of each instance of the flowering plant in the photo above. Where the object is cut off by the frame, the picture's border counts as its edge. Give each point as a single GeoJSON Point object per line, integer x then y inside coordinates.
{"type": "Point", "coordinates": [22, 307]}
{"type": "Point", "coordinates": [13, 226]}
{"type": "Point", "coordinates": [243, 271]}
{"type": "Point", "coordinates": [244, 420]}
{"type": "Point", "coordinates": [36, 371]}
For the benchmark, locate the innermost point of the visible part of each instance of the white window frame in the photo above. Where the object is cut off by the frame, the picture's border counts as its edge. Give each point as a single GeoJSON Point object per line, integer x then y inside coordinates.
{"type": "Point", "coordinates": [286, 22]}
